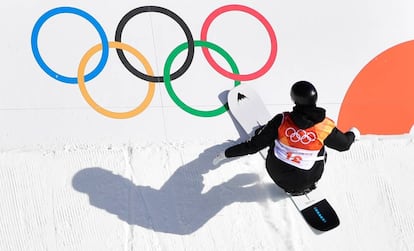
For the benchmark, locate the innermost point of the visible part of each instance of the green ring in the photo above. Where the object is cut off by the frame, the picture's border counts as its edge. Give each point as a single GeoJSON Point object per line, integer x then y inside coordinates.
{"type": "Point", "coordinates": [167, 77]}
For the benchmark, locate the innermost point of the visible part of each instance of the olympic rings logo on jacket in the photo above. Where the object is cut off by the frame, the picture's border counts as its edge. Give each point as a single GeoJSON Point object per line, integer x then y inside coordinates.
{"type": "Point", "coordinates": [300, 135]}
{"type": "Point", "coordinates": [167, 77]}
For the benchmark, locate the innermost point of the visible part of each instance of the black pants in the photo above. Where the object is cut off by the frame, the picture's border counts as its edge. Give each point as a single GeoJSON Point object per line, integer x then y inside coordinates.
{"type": "Point", "coordinates": [290, 178]}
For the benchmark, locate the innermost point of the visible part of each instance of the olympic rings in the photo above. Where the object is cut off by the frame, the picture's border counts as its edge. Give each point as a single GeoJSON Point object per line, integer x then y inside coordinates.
{"type": "Point", "coordinates": [100, 109]}
{"type": "Point", "coordinates": [300, 135]}
{"type": "Point", "coordinates": [81, 13]}
{"type": "Point", "coordinates": [262, 19]}
{"type": "Point", "coordinates": [167, 77]}
{"type": "Point", "coordinates": [176, 18]}
{"type": "Point", "coordinates": [170, 90]}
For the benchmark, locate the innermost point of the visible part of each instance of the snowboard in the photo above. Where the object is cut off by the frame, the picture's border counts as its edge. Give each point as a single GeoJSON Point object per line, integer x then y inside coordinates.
{"type": "Point", "coordinates": [249, 111]}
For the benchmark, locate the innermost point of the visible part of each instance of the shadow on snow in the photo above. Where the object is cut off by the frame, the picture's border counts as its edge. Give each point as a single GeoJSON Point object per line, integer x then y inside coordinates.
{"type": "Point", "coordinates": [179, 206]}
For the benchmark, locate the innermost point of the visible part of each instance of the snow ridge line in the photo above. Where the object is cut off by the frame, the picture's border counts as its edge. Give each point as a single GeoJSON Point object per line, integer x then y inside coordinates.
{"type": "Point", "coordinates": [397, 217]}
{"type": "Point", "coordinates": [129, 230]}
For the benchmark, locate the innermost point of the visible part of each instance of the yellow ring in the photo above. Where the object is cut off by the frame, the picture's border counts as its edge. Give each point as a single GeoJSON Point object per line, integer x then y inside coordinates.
{"type": "Point", "coordinates": [100, 109]}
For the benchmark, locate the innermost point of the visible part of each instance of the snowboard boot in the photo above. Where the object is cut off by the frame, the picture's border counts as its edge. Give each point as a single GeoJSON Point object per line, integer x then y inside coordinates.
{"type": "Point", "coordinates": [302, 192]}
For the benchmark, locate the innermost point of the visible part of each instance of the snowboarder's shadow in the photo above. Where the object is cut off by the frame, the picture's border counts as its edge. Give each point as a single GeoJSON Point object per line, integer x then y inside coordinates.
{"type": "Point", "coordinates": [180, 206]}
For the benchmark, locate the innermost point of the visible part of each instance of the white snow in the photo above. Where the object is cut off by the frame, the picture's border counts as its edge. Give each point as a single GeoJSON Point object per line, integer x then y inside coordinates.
{"type": "Point", "coordinates": [168, 196]}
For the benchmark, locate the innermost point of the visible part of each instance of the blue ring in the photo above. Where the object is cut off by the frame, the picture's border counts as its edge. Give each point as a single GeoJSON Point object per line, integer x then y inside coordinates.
{"type": "Point", "coordinates": [92, 20]}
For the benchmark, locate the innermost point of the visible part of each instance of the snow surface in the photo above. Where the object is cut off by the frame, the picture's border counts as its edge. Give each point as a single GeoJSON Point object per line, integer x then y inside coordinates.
{"type": "Point", "coordinates": [168, 196]}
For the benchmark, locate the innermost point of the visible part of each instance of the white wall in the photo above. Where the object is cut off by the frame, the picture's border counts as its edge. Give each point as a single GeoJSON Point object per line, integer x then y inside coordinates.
{"type": "Point", "coordinates": [325, 42]}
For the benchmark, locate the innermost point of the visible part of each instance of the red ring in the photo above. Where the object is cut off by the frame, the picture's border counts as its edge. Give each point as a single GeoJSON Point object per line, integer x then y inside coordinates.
{"type": "Point", "coordinates": [262, 19]}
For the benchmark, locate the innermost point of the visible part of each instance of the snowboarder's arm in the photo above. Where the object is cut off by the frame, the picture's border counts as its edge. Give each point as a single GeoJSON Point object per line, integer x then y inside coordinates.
{"type": "Point", "coordinates": [264, 138]}
{"type": "Point", "coordinates": [340, 141]}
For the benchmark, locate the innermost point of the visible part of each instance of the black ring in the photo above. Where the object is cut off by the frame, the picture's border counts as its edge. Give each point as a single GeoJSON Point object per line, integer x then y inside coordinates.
{"type": "Point", "coordinates": [176, 18]}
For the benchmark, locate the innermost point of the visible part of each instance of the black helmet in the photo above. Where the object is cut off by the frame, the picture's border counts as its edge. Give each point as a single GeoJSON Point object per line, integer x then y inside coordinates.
{"type": "Point", "coordinates": [303, 93]}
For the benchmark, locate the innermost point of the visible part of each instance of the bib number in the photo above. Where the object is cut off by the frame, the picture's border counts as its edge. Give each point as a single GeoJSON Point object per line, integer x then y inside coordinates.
{"type": "Point", "coordinates": [295, 158]}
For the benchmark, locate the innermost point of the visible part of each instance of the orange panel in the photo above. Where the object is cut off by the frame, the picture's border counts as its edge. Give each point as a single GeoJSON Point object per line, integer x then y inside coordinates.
{"type": "Point", "coordinates": [380, 100]}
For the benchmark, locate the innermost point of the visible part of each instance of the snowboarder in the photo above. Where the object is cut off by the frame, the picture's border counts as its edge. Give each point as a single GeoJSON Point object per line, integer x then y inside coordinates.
{"type": "Point", "coordinates": [296, 141]}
